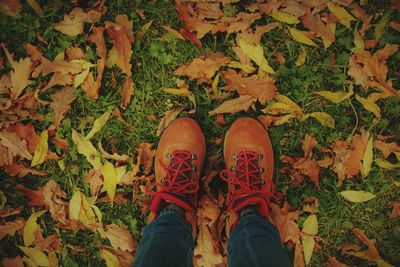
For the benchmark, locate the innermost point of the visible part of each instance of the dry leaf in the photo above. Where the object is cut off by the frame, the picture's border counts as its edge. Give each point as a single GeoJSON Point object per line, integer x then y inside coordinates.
{"type": "Point", "coordinates": [344, 17]}
{"type": "Point", "coordinates": [85, 147]}
{"type": "Point", "coordinates": [300, 37]}
{"type": "Point", "coordinates": [175, 33]}
{"type": "Point", "coordinates": [33, 51]}
{"type": "Point", "coordinates": [370, 106]}
{"type": "Point", "coordinates": [357, 196]}
{"type": "Point", "coordinates": [35, 255]}
{"type": "Point", "coordinates": [322, 117]}
{"type": "Point", "coordinates": [256, 53]}
{"type": "Point", "coordinates": [10, 228]}
{"type": "Point", "coordinates": [110, 179]}
{"type": "Point", "coordinates": [72, 24]}
{"type": "Point", "coordinates": [386, 148]}
{"type": "Point", "coordinates": [120, 238]}
{"type": "Point", "coordinates": [31, 227]}
{"type": "Point", "coordinates": [285, 221]}
{"type": "Point", "coordinates": [169, 117]}
{"type": "Point", "coordinates": [336, 97]}
{"type": "Point", "coordinates": [15, 262]}
{"type": "Point", "coordinates": [99, 123]}
{"type": "Point", "coordinates": [61, 101]}
{"type": "Point", "coordinates": [15, 144]}
{"type": "Point", "coordinates": [396, 210]}
{"type": "Point", "coordinates": [10, 7]}
{"type": "Point", "coordinates": [233, 106]}
{"type": "Point", "coordinates": [368, 157]}
{"type": "Point", "coordinates": [110, 259]}
{"type": "Point", "coordinates": [315, 24]}
{"type": "Point", "coordinates": [285, 17]}
{"type": "Point", "coordinates": [41, 150]}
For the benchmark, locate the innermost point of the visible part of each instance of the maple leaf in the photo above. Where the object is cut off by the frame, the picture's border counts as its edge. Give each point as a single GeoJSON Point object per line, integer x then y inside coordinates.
{"type": "Point", "coordinates": [72, 24]}
{"type": "Point", "coordinates": [285, 221]}
{"type": "Point", "coordinates": [28, 133]}
{"type": "Point", "coordinates": [234, 105]}
{"type": "Point", "coordinates": [10, 228]}
{"type": "Point", "coordinates": [90, 85]}
{"type": "Point", "coordinates": [120, 238]}
{"type": "Point", "coordinates": [203, 69]}
{"type": "Point", "coordinates": [20, 74]}
{"type": "Point", "coordinates": [60, 104]}
{"type": "Point", "coordinates": [33, 51]}
{"type": "Point", "coordinates": [57, 66]}
{"type": "Point", "coordinates": [15, 144]}
{"type": "Point", "coordinates": [207, 252]}
{"type": "Point", "coordinates": [262, 88]}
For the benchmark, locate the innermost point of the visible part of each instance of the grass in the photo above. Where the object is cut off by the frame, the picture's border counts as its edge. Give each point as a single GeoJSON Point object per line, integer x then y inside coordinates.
{"type": "Point", "coordinates": [153, 64]}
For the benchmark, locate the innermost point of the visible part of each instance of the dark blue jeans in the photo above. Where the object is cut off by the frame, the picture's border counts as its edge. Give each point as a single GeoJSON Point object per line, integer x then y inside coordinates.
{"type": "Point", "coordinates": [168, 242]}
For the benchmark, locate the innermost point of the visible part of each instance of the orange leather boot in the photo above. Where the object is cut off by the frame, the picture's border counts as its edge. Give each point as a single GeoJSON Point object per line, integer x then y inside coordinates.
{"type": "Point", "coordinates": [249, 160]}
{"type": "Point", "coordinates": [178, 163]}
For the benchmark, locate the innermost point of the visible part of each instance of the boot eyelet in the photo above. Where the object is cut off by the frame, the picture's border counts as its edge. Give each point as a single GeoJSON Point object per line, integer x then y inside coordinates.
{"type": "Point", "coordinates": [262, 181]}
{"type": "Point", "coordinates": [260, 156]}
{"type": "Point", "coordinates": [162, 180]}
{"type": "Point", "coordinates": [231, 180]}
{"type": "Point", "coordinates": [261, 170]}
{"type": "Point", "coordinates": [169, 156]}
{"type": "Point", "coordinates": [233, 169]}
{"type": "Point", "coordinates": [234, 156]}
{"type": "Point", "coordinates": [194, 169]}
{"type": "Point", "coordinates": [193, 156]}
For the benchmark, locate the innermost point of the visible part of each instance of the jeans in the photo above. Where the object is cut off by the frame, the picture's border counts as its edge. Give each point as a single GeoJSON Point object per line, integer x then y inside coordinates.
{"type": "Point", "coordinates": [168, 242]}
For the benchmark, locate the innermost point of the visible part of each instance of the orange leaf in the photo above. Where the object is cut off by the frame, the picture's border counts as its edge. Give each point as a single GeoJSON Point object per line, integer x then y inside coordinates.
{"type": "Point", "coordinates": [10, 228]}
{"type": "Point", "coordinates": [36, 196]}
{"type": "Point", "coordinates": [285, 221]}
{"type": "Point", "coordinates": [15, 144]}
{"type": "Point", "coordinates": [386, 148]}
{"type": "Point", "coordinates": [396, 210]}
{"type": "Point", "coordinates": [33, 51]}
{"type": "Point", "coordinates": [61, 101]}
{"type": "Point", "coordinates": [20, 170]}
{"type": "Point", "coordinates": [234, 105]}
{"type": "Point", "coordinates": [120, 238]}
{"type": "Point", "coordinates": [169, 116]}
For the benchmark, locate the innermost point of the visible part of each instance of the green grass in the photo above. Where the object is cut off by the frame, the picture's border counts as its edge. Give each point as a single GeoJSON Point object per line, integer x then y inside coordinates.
{"type": "Point", "coordinates": [153, 64]}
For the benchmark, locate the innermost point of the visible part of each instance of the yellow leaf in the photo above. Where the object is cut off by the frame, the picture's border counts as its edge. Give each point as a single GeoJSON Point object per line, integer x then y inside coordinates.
{"type": "Point", "coordinates": [322, 117]}
{"type": "Point", "coordinates": [397, 154]}
{"type": "Point", "coordinates": [110, 259]}
{"type": "Point", "coordinates": [86, 214]}
{"type": "Point", "coordinates": [368, 156]}
{"type": "Point", "coordinates": [112, 57]}
{"type": "Point", "coordinates": [310, 225]}
{"type": "Point", "coordinates": [277, 108]}
{"type": "Point", "coordinates": [308, 248]}
{"type": "Point", "coordinates": [332, 27]}
{"type": "Point", "coordinates": [75, 205]}
{"type": "Point", "coordinates": [181, 92]}
{"type": "Point", "coordinates": [99, 123]}
{"type": "Point", "coordinates": [301, 59]}
{"type": "Point", "coordinates": [30, 227]}
{"type": "Point", "coordinates": [53, 262]}
{"type": "Point", "coordinates": [370, 106]}
{"type": "Point", "coordinates": [80, 78]}
{"type": "Point", "coordinates": [344, 17]}
{"type": "Point", "coordinates": [214, 85]}
{"type": "Point", "coordinates": [300, 37]}
{"type": "Point", "coordinates": [41, 149]}
{"type": "Point", "coordinates": [379, 27]}
{"type": "Point", "coordinates": [85, 147]}
{"type": "Point", "coordinates": [35, 6]}
{"type": "Point", "coordinates": [285, 17]}
{"type": "Point", "coordinates": [284, 119]}
{"type": "Point", "coordinates": [336, 97]}
{"type": "Point", "coordinates": [35, 255]}
{"type": "Point", "coordinates": [359, 44]}
{"type": "Point", "coordinates": [110, 179]}
{"type": "Point", "coordinates": [244, 67]}
{"type": "Point", "coordinates": [357, 196]}
{"type": "Point", "coordinates": [256, 53]}
{"type": "Point", "coordinates": [386, 164]}
{"type": "Point", "coordinates": [286, 100]}
{"type": "Point", "coordinates": [72, 24]}
{"type": "Point", "coordinates": [146, 27]}
{"type": "Point", "coordinates": [234, 105]}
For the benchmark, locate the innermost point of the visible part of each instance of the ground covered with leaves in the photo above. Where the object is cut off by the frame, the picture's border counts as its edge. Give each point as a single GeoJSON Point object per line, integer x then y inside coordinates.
{"type": "Point", "coordinates": [87, 87]}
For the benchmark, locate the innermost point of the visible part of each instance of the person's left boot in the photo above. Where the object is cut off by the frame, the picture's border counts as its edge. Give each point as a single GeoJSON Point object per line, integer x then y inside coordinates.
{"type": "Point", "coordinates": [178, 163]}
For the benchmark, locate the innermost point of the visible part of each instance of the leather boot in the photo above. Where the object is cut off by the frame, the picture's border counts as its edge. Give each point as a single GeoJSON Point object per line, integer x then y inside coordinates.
{"type": "Point", "coordinates": [178, 163]}
{"type": "Point", "coordinates": [249, 161]}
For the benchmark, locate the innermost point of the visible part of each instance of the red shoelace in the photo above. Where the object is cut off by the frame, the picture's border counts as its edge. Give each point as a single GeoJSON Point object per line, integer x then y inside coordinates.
{"type": "Point", "coordinates": [177, 180]}
{"type": "Point", "coordinates": [247, 179]}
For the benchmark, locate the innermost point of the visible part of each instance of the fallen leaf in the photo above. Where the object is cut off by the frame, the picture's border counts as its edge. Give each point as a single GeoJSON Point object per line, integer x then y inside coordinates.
{"type": "Point", "coordinates": [35, 255]}
{"type": "Point", "coordinates": [110, 259]}
{"type": "Point", "coordinates": [86, 148]}
{"type": "Point", "coordinates": [36, 196]}
{"type": "Point", "coordinates": [386, 164]}
{"type": "Point", "coordinates": [315, 24]}
{"type": "Point", "coordinates": [15, 144]}
{"type": "Point", "coordinates": [300, 37]}
{"type": "Point", "coordinates": [146, 156]}
{"type": "Point", "coordinates": [386, 148]}
{"type": "Point", "coordinates": [175, 33]}
{"type": "Point", "coordinates": [370, 106]}
{"type": "Point", "coordinates": [20, 74]}
{"type": "Point", "coordinates": [301, 59]}
{"type": "Point", "coordinates": [41, 150]}
{"type": "Point", "coordinates": [357, 196]}
{"type": "Point", "coordinates": [368, 158]}
{"type": "Point", "coordinates": [72, 24]}
{"type": "Point", "coordinates": [285, 17]}
{"type": "Point", "coordinates": [99, 123]}
{"type": "Point", "coordinates": [183, 91]}
{"type": "Point", "coordinates": [120, 238]}
{"type": "Point", "coordinates": [10, 228]}
{"type": "Point", "coordinates": [333, 262]}
{"type": "Point", "coordinates": [308, 243]}
{"type": "Point", "coordinates": [33, 51]}
{"type": "Point", "coordinates": [344, 17]}
{"type": "Point", "coordinates": [11, 7]}
{"type": "Point", "coordinates": [35, 6]}
{"type": "Point", "coordinates": [359, 43]}
{"type": "Point", "coordinates": [31, 227]}
{"type": "Point", "coordinates": [203, 69]}
{"type": "Point", "coordinates": [15, 262]}
{"type": "Point", "coordinates": [169, 117]}
{"type": "Point", "coordinates": [396, 210]}
{"type": "Point", "coordinates": [123, 20]}
{"type": "Point", "coordinates": [256, 53]}
{"type": "Point", "coordinates": [336, 97]}
{"type": "Point", "coordinates": [322, 117]}
{"type": "Point", "coordinates": [61, 101]}
{"type": "Point", "coordinates": [285, 221]}
{"type": "Point", "coordinates": [110, 179]}
{"type": "Point", "coordinates": [234, 105]}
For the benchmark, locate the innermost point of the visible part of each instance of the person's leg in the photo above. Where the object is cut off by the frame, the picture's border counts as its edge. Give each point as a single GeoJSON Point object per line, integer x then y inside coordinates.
{"type": "Point", "coordinates": [256, 242]}
{"type": "Point", "coordinates": [167, 241]}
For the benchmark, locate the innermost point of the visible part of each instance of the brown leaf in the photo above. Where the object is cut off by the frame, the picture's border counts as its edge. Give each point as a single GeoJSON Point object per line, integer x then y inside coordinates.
{"type": "Point", "coordinates": [15, 144]}
{"type": "Point", "coordinates": [262, 88]}
{"type": "Point", "coordinates": [10, 228]}
{"type": "Point", "coordinates": [169, 117]}
{"type": "Point", "coordinates": [333, 262]}
{"type": "Point", "coordinates": [120, 238]}
{"type": "Point", "coordinates": [59, 79]}
{"type": "Point", "coordinates": [60, 143]}
{"type": "Point", "coordinates": [386, 148]}
{"type": "Point", "coordinates": [396, 210]}
{"type": "Point", "coordinates": [9, 211]}
{"type": "Point", "coordinates": [125, 258]}
{"type": "Point", "coordinates": [15, 262]}
{"type": "Point", "coordinates": [311, 204]}
{"type": "Point", "coordinates": [20, 170]}
{"type": "Point", "coordinates": [279, 57]}
{"type": "Point", "coordinates": [36, 196]}
{"type": "Point", "coordinates": [123, 20]}
{"type": "Point", "coordinates": [28, 133]}
{"type": "Point", "coordinates": [255, 38]}
{"type": "Point", "coordinates": [299, 255]}
{"type": "Point", "coordinates": [203, 69]}
{"type": "Point", "coordinates": [395, 25]}
{"type": "Point", "coordinates": [114, 156]}
{"type": "Point", "coordinates": [191, 37]}
{"type": "Point", "coordinates": [33, 51]}
{"type": "Point", "coordinates": [74, 52]}
{"type": "Point", "coordinates": [53, 199]}
{"type": "Point", "coordinates": [10, 7]}
{"type": "Point", "coordinates": [72, 24]}
{"type": "Point", "coordinates": [234, 105]}
{"type": "Point", "coordinates": [285, 221]}
{"type": "Point", "coordinates": [315, 24]}
{"type": "Point", "coordinates": [63, 67]}
{"type": "Point", "coordinates": [61, 101]}
{"type": "Point", "coordinates": [207, 252]}
{"type": "Point", "coordinates": [356, 155]}
{"type": "Point", "coordinates": [90, 85]}
{"type": "Point", "coordinates": [146, 156]}
{"type": "Point", "coordinates": [175, 33]}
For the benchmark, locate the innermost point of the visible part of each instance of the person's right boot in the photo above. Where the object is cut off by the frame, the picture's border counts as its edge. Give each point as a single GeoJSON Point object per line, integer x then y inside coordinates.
{"type": "Point", "coordinates": [249, 161]}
